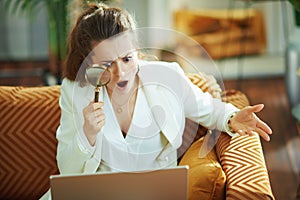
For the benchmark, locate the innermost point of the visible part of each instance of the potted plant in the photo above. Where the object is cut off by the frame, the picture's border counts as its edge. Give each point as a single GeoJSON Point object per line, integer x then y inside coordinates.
{"type": "Point", "coordinates": [59, 13]}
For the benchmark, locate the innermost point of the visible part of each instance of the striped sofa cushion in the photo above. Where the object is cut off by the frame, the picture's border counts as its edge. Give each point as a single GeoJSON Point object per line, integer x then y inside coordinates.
{"type": "Point", "coordinates": [29, 118]}
{"type": "Point", "coordinates": [242, 160]}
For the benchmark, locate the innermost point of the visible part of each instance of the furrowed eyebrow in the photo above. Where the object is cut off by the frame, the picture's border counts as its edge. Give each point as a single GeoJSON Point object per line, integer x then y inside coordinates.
{"type": "Point", "coordinates": [110, 61]}
{"type": "Point", "coordinates": [106, 61]}
{"type": "Point", "coordinates": [127, 55]}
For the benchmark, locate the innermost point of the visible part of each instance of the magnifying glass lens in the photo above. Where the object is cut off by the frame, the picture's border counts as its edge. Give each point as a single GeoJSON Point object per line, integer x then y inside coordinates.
{"type": "Point", "coordinates": [97, 76]}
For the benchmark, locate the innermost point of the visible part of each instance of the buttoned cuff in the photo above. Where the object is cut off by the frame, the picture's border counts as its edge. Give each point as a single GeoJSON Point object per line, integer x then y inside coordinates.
{"type": "Point", "coordinates": [228, 128]}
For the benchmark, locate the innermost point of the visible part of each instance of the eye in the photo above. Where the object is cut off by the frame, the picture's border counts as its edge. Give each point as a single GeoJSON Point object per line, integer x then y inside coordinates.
{"type": "Point", "coordinates": [127, 58]}
{"type": "Point", "coordinates": [107, 64]}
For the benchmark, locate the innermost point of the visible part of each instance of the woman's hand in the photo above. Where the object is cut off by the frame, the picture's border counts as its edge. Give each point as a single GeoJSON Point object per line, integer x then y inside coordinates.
{"type": "Point", "coordinates": [245, 122]}
{"type": "Point", "coordinates": [94, 120]}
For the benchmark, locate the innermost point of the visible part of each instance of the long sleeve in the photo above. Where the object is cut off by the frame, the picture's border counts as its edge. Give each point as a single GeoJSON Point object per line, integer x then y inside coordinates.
{"type": "Point", "coordinates": [178, 97]}
{"type": "Point", "coordinates": [208, 111]}
{"type": "Point", "coordinates": [198, 106]}
{"type": "Point", "coordinates": [73, 149]}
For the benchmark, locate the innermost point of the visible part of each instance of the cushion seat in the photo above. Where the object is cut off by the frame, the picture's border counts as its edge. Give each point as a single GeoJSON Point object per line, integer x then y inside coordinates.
{"type": "Point", "coordinates": [206, 178]}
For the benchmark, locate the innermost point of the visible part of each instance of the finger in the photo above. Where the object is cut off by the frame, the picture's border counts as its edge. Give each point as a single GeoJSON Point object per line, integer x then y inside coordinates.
{"type": "Point", "coordinates": [241, 132]}
{"type": "Point", "coordinates": [97, 105]}
{"type": "Point", "coordinates": [101, 123]}
{"type": "Point", "coordinates": [88, 109]}
{"type": "Point", "coordinates": [263, 134]}
{"type": "Point", "coordinates": [97, 123]}
{"type": "Point", "coordinates": [252, 133]}
{"type": "Point", "coordinates": [255, 108]}
{"type": "Point", "coordinates": [100, 118]}
{"type": "Point", "coordinates": [98, 113]}
{"type": "Point", "coordinates": [90, 119]}
{"type": "Point", "coordinates": [263, 126]}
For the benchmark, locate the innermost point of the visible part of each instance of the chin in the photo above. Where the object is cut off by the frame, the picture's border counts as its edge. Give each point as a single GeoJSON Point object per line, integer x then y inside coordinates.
{"type": "Point", "coordinates": [124, 90]}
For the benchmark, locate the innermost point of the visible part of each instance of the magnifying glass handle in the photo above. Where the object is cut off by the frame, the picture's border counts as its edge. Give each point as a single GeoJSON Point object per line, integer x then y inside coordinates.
{"type": "Point", "coordinates": [97, 90]}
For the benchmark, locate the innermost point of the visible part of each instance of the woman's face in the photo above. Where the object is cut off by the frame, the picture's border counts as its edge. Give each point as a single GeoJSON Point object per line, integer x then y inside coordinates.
{"type": "Point", "coordinates": [119, 55]}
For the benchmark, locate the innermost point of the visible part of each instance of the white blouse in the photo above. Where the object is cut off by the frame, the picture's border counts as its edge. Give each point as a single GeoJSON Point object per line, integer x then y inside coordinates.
{"type": "Point", "coordinates": [142, 144]}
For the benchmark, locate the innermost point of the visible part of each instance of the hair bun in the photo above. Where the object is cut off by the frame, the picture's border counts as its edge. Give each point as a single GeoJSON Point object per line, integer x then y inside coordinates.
{"type": "Point", "coordinates": [97, 6]}
{"type": "Point", "coordinates": [92, 8]}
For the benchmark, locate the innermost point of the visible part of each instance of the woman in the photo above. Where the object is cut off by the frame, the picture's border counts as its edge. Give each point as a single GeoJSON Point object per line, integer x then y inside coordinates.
{"type": "Point", "coordinates": [139, 120]}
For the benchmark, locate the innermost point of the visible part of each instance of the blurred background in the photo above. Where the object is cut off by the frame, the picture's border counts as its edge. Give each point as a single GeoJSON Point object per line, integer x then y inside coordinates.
{"type": "Point", "coordinates": [227, 29]}
{"type": "Point", "coordinates": [254, 43]}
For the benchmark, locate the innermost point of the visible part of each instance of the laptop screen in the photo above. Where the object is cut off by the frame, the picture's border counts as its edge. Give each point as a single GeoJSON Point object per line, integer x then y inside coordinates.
{"type": "Point", "coordinates": [164, 184]}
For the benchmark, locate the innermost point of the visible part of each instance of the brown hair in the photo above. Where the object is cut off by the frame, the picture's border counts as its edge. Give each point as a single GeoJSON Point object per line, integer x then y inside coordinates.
{"type": "Point", "coordinates": [96, 24]}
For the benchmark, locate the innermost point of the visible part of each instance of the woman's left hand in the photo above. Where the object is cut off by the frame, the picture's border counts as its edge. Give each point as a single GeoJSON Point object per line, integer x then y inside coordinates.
{"type": "Point", "coordinates": [245, 122]}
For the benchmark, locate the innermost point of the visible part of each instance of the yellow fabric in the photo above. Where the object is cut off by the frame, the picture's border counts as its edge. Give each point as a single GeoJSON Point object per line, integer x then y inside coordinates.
{"type": "Point", "coordinates": [206, 178]}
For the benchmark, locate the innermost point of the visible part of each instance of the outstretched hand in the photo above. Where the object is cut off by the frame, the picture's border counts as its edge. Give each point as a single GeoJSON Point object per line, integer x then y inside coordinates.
{"type": "Point", "coordinates": [245, 122]}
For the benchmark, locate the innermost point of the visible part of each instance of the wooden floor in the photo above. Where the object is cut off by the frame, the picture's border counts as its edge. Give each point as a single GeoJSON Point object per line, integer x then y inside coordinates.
{"type": "Point", "coordinates": [282, 153]}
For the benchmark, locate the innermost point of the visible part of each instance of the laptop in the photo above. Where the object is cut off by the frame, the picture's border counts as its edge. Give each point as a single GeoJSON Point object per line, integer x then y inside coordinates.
{"type": "Point", "coordinates": [161, 184]}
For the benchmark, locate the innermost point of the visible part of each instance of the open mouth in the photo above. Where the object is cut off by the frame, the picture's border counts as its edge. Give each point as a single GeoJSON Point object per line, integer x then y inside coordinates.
{"type": "Point", "coordinates": [122, 84]}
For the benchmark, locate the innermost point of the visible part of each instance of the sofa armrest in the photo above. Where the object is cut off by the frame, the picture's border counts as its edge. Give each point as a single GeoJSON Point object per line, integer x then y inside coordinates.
{"type": "Point", "coordinates": [241, 157]}
{"type": "Point", "coordinates": [29, 119]}
{"type": "Point", "coordinates": [243, 163]}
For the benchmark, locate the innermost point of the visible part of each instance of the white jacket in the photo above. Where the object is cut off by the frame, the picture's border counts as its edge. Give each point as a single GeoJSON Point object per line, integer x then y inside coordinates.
{"type": "Point", "coordinates": [165, 98]}
{"type": "Point", "coordinates": [166, 88]}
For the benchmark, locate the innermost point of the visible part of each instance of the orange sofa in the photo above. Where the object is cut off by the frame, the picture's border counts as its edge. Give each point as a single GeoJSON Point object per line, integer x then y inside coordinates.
{"type": "Point", "coordinates": [29, 116]}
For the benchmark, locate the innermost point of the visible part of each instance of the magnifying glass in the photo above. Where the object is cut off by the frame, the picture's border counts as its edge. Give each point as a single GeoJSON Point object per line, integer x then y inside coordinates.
{"type": "Point", "coordinates": [98, 76]}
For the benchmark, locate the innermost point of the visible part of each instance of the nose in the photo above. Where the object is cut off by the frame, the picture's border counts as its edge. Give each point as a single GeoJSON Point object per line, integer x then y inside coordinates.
{"type": "Point", "coordinates": [119, 67]}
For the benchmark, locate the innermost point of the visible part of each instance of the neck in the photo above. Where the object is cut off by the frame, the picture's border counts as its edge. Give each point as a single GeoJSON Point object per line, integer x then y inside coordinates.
{"type": "Point", "coordinates": [124, 102]}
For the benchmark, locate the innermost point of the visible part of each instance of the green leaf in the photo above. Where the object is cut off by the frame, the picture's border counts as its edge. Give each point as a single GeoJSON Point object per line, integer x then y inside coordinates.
{"type": "Point", "coordinates": [296, 4]}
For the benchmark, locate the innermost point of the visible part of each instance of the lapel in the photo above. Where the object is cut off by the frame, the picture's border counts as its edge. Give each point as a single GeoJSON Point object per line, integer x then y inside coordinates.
{"type": "Point", "coordinates": [162, 98]}
{"type": "Point", "coordinates": [163, 114]}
